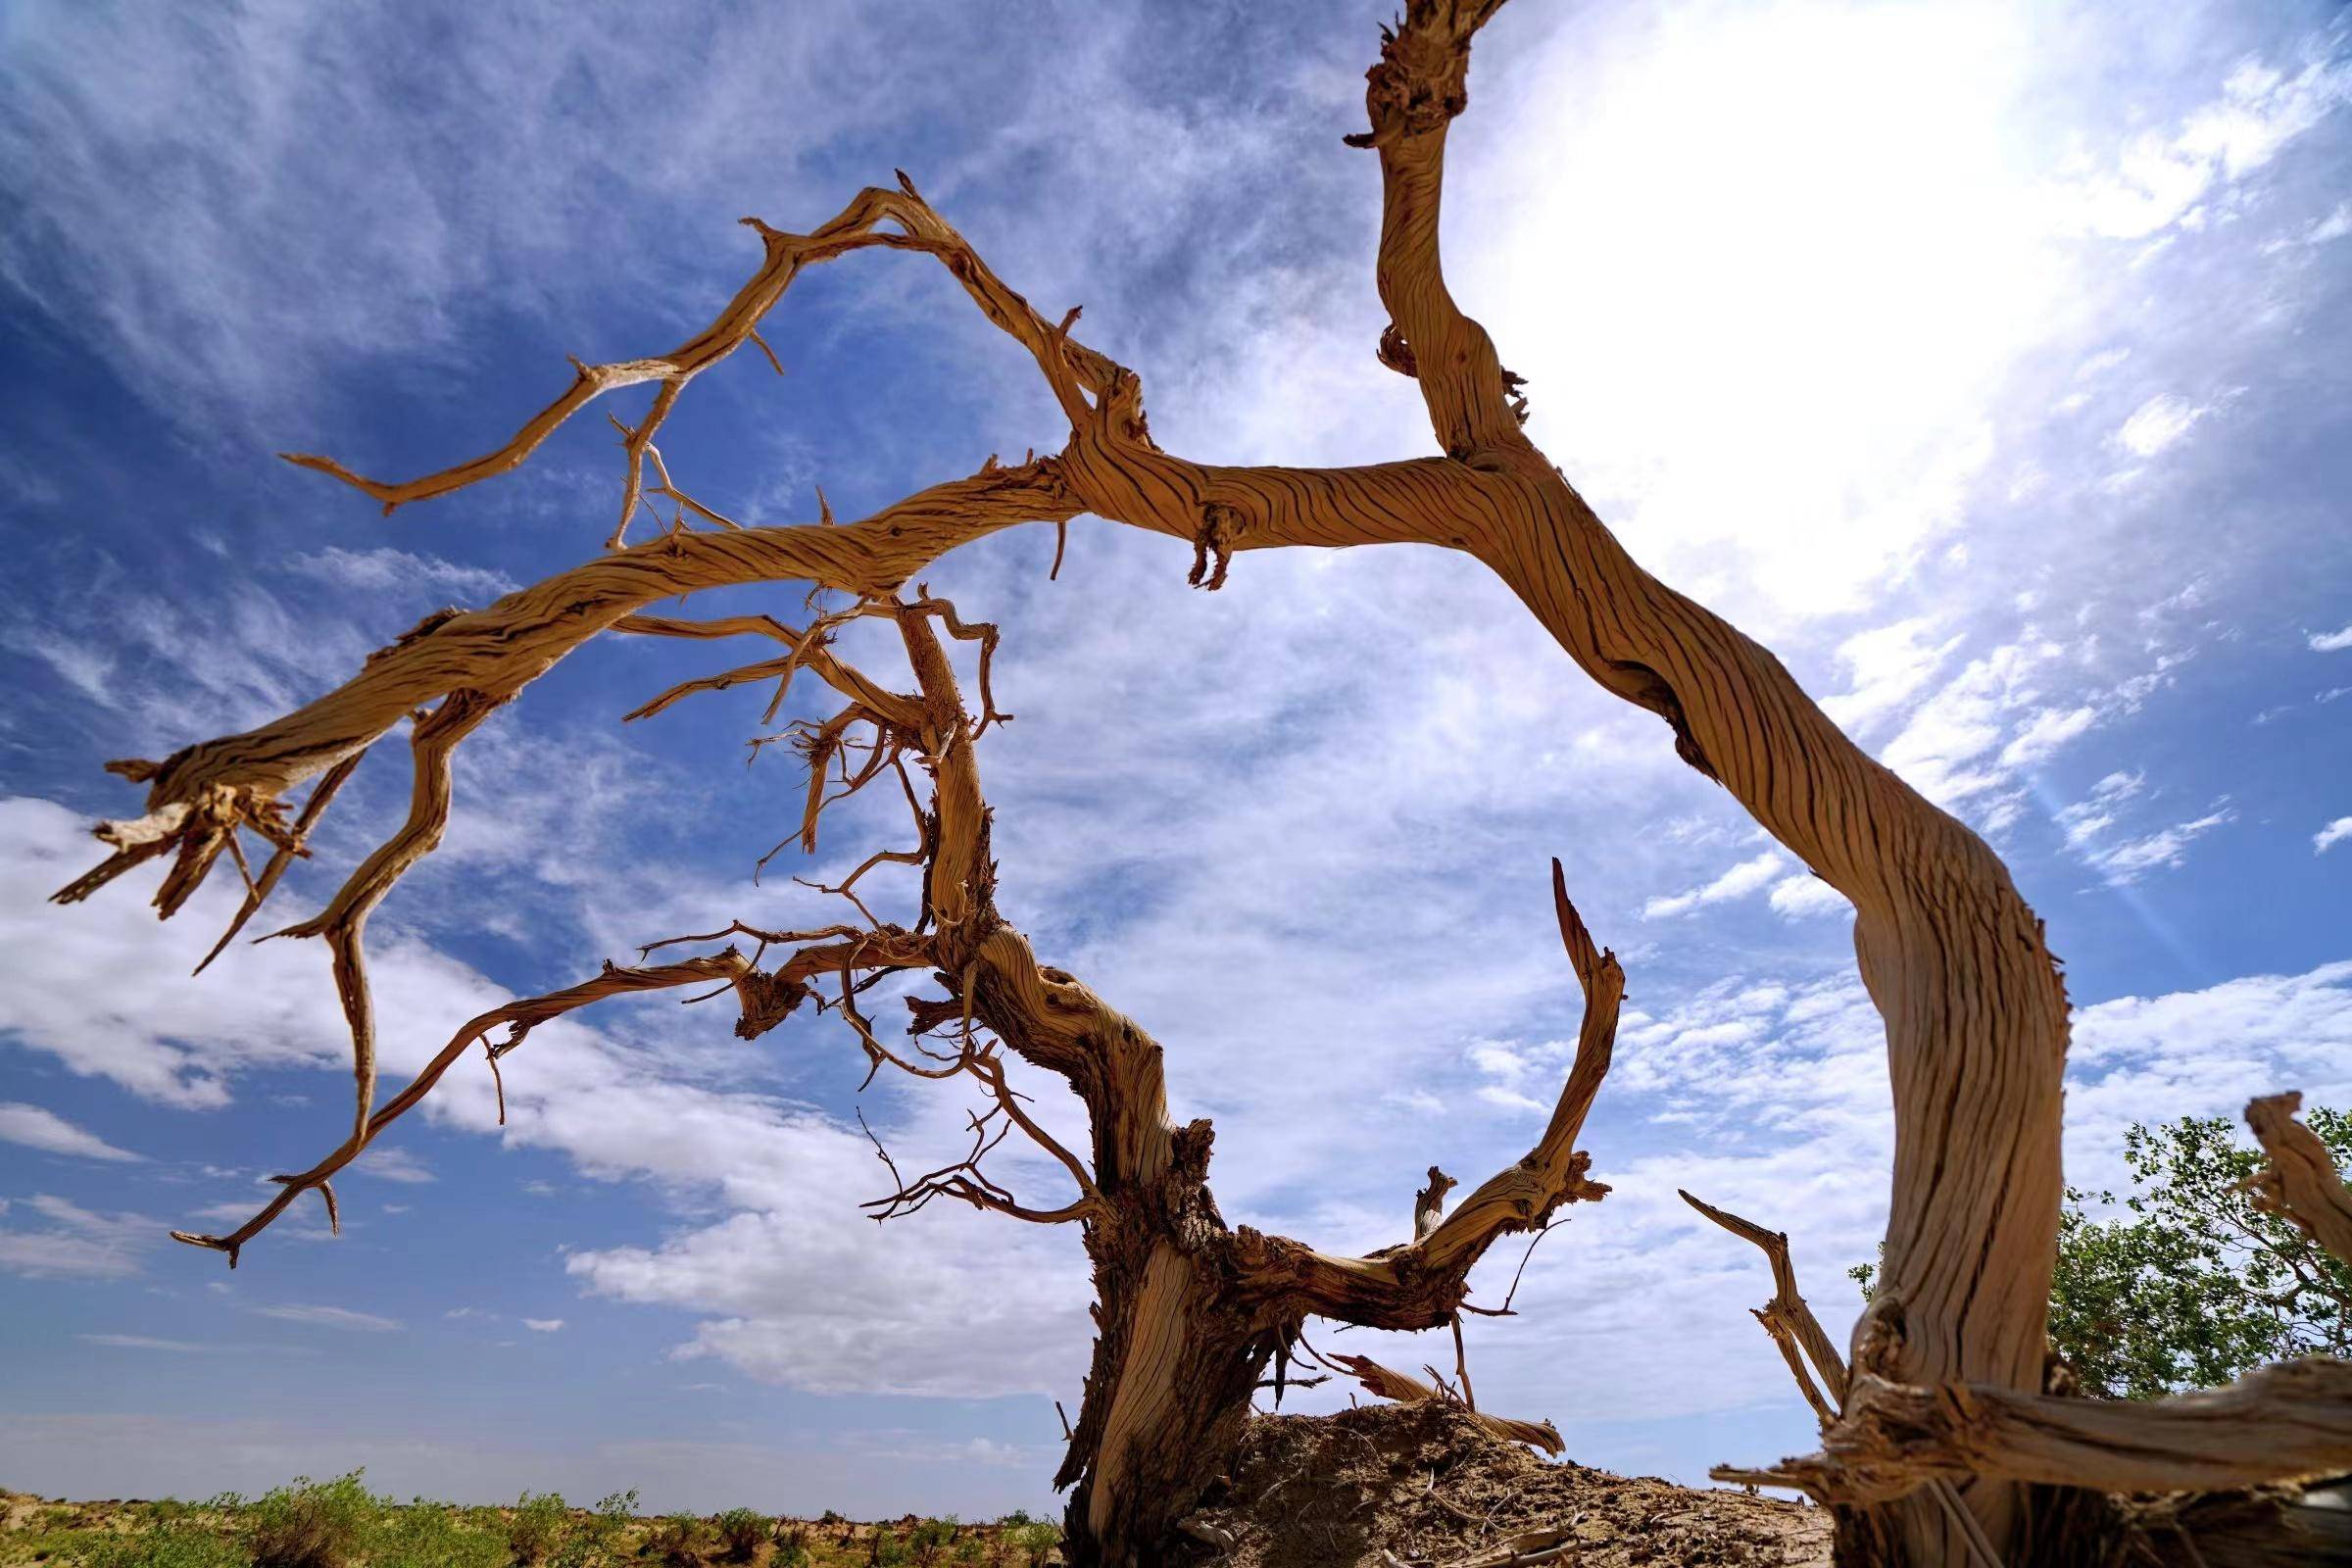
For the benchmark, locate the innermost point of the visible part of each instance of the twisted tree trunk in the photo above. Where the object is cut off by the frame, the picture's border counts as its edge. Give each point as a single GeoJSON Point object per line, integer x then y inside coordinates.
{"type": "Point", "coordinates": [1191, 1311]}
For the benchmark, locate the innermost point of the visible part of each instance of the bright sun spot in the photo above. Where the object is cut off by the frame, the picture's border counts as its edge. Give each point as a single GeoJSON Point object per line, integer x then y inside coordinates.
{"type": "Point", "coordinates": [1786, 258]}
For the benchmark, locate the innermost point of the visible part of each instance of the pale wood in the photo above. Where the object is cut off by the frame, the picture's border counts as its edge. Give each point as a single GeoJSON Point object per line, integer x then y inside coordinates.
{"type": "Point", "coordinates": [2284, 1423]}
{"type": "Point", "coordinates": [1975, 1011]}
{"type": "Point", "coordinates": [2300, 1184]}
{"type": "Point", "coordinates": [1404, 1389]}
{"type": "Point", "coordinates": [1795, 1332]}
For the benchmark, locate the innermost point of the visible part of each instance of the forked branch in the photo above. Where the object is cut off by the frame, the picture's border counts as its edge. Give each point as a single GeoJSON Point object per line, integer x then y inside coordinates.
{"type": "Point", "coordinates": [1795, 1330]}
{"type": "Point", "coordinates": [856, 228]}
{"type": "Point", "coordinates": [1422, 1283]}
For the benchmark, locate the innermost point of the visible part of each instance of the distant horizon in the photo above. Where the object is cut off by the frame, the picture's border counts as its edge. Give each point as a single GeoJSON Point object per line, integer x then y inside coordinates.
{"type": "Point", "coordinates": [1987, 364]}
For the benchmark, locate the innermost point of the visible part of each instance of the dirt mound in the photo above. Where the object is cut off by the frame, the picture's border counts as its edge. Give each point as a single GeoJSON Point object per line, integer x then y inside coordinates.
{"type": "Point", "coordinates": [1422, 1484]}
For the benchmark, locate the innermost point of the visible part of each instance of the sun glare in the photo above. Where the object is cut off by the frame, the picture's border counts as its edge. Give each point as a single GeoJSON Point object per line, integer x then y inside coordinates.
{"type": "Point", "coordinates": [1769, 271]}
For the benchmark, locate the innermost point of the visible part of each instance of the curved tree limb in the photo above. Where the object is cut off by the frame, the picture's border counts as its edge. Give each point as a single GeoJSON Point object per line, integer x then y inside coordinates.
{"type": "Point", "coordinates": [1785, 1317]}
{"type": "Point", "coordinates": [2300, 1183]}
{"type": "Point", "coordinates": [764, 1006]}
{"type": "Point", "coordinates": [1952, 956]}
{"type": "Point", "coordinates": [1422, 1283]}
{"type": "Point", "coordinates": [2278, 1423]}
{"type": "Point", "coordinates": [855, 227]}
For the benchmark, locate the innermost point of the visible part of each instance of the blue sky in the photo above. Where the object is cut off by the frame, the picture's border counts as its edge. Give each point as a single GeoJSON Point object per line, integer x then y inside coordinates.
{"type": "Point", "coordinates": [1989, 361]}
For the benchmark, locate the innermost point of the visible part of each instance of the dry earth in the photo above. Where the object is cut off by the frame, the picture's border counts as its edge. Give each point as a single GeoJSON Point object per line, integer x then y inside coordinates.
{"type": "Point", "coordinates": [1422, 1484]}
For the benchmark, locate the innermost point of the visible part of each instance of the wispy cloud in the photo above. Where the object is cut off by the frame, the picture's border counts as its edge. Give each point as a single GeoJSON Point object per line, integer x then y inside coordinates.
{"type": "Point", "coordinates": [2089, 825]}
{"type": "Point", "coordinates": [399, 571]}
{"type": "Point", "coordinates": [2131, 858]}
{"type": "Point", "coordinates": [142, 1342]}
{"type": "Point", "coordinates": [2331, 642]}
{"type": "Point", "coordinates": [2159, 423]}
{"type": "Point", "coordinates": [1748, 876]}
{"type": "Point", "coordinates": [1802, 897]}
{"type": "Point", "coordinates": [396, 1165]}
{"type": "Point", "coordinates": [76, 1242]}
{"type": "Point", "coordinates": [331, 1317]}
{"type": "Point", "coordinates": [37, 1128]}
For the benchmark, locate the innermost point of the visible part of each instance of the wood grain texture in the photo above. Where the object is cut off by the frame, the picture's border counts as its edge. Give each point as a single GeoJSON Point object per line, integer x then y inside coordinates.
{"type": "Point", "coordinates": [1189, 1310]}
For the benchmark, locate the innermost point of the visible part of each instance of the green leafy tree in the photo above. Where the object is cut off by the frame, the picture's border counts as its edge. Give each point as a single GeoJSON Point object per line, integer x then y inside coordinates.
{"type": "Point", "coordinates": [2186, 1284]}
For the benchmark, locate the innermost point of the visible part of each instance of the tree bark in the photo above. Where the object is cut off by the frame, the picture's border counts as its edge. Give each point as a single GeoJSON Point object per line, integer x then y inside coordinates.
{"type": "Point", "coordinates": [1975, 1011]}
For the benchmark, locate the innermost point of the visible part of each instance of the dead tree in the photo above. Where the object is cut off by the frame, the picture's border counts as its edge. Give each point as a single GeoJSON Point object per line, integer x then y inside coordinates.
{"type": "Point", "coordinates": [1188, 1310]}
{"type": "Point", "coordinates": [1974, 1006]}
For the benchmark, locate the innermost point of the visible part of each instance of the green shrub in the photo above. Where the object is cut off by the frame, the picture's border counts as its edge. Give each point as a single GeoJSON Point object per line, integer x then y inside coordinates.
{"type": "Point", "coordinates": [432, 1535]}
{"type": "Point", "coordinates": [791, 1536]}
{"type": "Point", "coordinates": [1035, 1542]}
{"type": "Point", "coordinates": [312, 1523]}
{"type": "Point", "coordinates": [740, 1532]}
{"type": "Point", "coordinates": [536, 1529]}
{"type": "Point", "coordinates": [928, 1542]}
{"type": "Point", "coordinates": [175, 1542]}
{"type": "Point", "coordinates": [594, 1540]}
{"type": "Point", "coordinates": [682, 1540]}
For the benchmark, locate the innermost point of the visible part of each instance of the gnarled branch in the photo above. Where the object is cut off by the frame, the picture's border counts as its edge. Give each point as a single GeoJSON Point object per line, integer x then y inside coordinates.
{"type": "Point", "coordinates": [1787, 1318]}
{"type": "Point", "coordinates": [1389, 1383]}
{"type": "Point", "coordinates": [764, 1006]}
{"type": "Point", "coordinates": [1422, 1283]}
{"type": "Point", "coordinates": [2278, 1423]}
{"type": "Point", "coordinates": [2300, 1184]}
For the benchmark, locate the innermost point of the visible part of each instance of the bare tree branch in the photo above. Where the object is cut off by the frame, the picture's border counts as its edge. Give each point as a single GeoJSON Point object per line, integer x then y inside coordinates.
{"type": "Point", "coordinates": [762, 1008]}
{"type": "Point", "coordinates": [1787, 1317]}
{"type": "Point", "coordinates": [2300, 1183]}
{"type": "Point", "coordinates": [2278, 1423]}
{"type": "Point", "coordinates": [1389, 1383]}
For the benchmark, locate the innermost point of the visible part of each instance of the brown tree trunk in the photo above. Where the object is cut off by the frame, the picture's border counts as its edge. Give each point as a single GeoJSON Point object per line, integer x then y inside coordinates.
{"type": "Point", "coordinates": [1947, 1364]}
{"type": "Point", "coordinates": [1175, 1365]}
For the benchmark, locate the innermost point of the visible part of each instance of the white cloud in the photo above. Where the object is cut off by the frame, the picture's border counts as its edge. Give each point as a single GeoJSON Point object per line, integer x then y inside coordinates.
{"type": "Point", "coordinates": [38, 1128]}
{"type": "Point", "coordinates": [78, 1243]}
{"type": "Point", "coordinates": [395, 1164]}
{"type": "Point", "coordinates": [2087, 818]}
{"type": "Point", "coordinates": [1886, 667]}
{"type": "Point", "coordinates": [388, 570]}
{"type": "Point", "coordinates": [2132, 858]}
{"type": "Point", "coordinates": [2202, 1054]}
{"type": "Point", "coordinates": [542, 1325]}
{"type": "Point", "coordinates": [142, 1342]}
{"type": "Point", "coordinates": [1800, 898]}
{"type": "Point", "coordinates": [2159, 423]}
{"type": "Point", "coordinates": [2332, 835]}
{"type": "Point", "coordinates": [2161, 177]}
{"type": "Point", "coordinates": [2087, 823]}
{"type": "Point", "coordinates": [1748, 876]}
{"type": "Point", "coordinates": [331, 1317]}
{"type": "Point", "coordinates": [2101, 363]}
{"type": "Point", "coordinates": [2045, 732]}
{"type": "Point", "coordinates": [2331, 642]}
